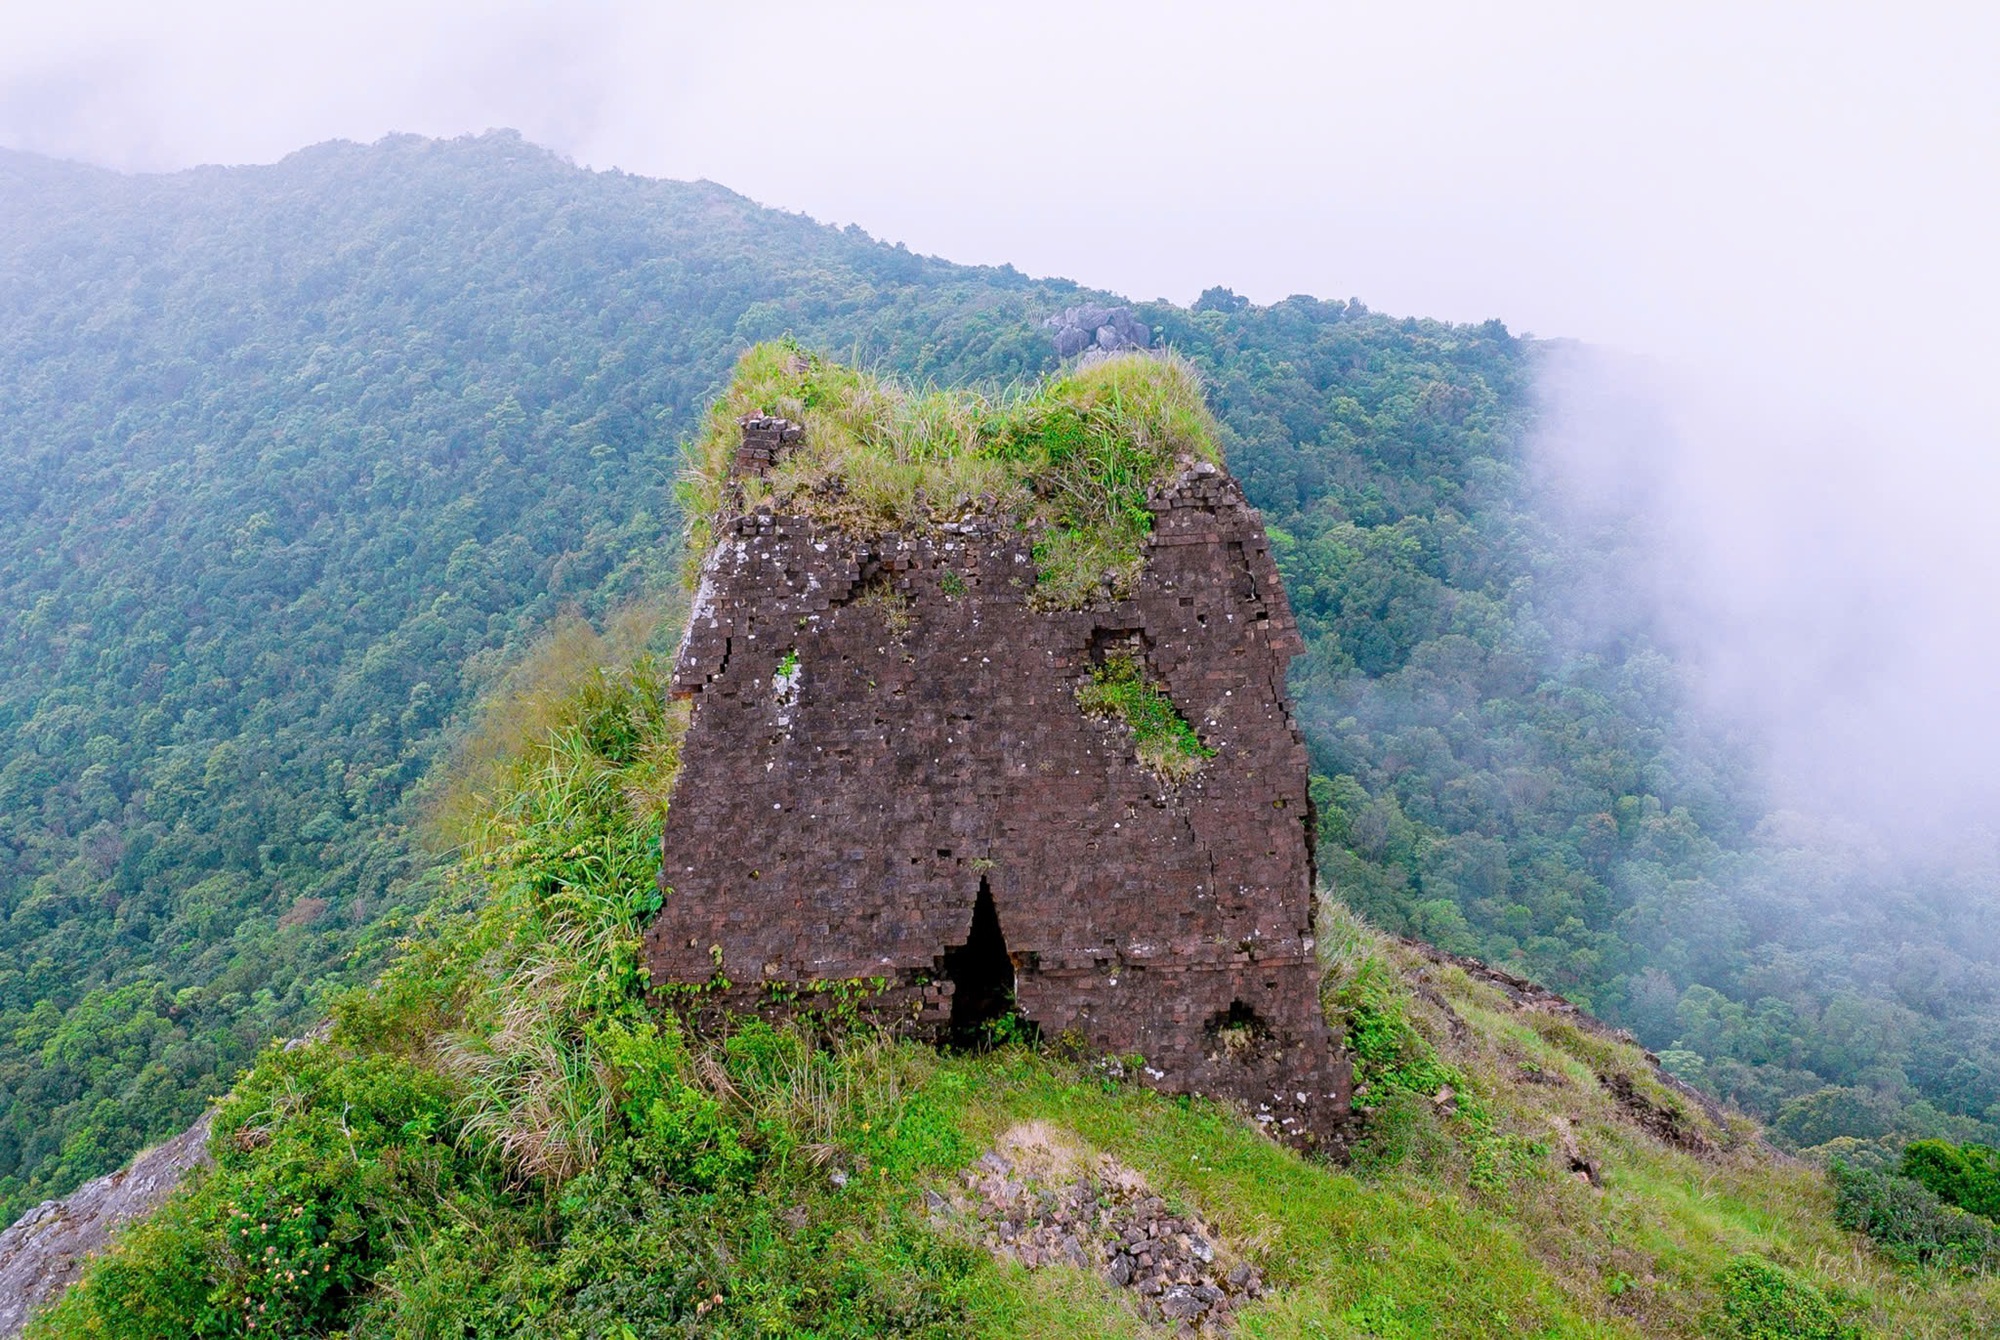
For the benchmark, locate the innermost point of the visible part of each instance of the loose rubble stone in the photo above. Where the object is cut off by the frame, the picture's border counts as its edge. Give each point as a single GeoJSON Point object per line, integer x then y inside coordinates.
{"type": "Point", "coordinates": [1042, 1200]}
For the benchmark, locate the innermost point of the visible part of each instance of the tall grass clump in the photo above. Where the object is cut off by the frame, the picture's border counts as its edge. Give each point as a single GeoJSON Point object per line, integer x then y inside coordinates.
{"type": "Point", "coordinates": [529, 702]}
{"type": "Point", "coordinates": [1074, 457]}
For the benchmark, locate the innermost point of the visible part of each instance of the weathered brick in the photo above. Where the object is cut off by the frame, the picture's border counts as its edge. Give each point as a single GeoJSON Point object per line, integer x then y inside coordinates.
{"type": "Point", "coordinates": [842, 827]}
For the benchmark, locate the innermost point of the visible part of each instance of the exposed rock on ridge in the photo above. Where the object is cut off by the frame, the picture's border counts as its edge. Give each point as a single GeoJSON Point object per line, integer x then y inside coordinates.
{"type": "Point", "coordinates": [1108, 330]}
{"type": "Point", "coordinates": [46, 1247]}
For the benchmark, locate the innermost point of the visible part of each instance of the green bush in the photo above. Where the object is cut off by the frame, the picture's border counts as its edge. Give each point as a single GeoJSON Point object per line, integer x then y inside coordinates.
{"type": "Point", "coordinates": [1909, 1223]}
{"type": "Point", "coordinates": [1967, 1176]}
{"type": "Point", "coordinates": [1766, 1302]}
{"type": "Point", "coordinates": [326, 1164]}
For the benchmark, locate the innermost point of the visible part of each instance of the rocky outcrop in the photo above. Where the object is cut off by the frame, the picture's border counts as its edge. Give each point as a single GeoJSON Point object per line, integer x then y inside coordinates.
{"type": "Point", "coordinates": [1101, 330]}
{"type": "Point", "coordinates": [890, 798]}
{"type": "Point", "coordinates": [43, 1251]}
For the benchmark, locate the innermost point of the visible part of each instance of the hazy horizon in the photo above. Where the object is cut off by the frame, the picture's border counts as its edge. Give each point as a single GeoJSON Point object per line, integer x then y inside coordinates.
{"type": "Point", "coordinates": [1771, 220]}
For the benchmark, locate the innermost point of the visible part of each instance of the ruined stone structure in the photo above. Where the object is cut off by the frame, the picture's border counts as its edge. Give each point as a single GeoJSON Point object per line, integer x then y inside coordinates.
{"type": "Point", "coordinates": [887, 781]}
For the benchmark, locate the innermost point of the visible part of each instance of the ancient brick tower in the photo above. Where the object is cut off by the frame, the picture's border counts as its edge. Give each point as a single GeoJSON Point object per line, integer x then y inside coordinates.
{"type": "Point", "coordinates": [887, 779]}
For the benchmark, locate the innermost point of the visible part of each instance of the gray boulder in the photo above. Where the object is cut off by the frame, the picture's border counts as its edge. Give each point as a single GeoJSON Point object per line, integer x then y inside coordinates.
{"type": "Point", "coordinates": [1092, 328]}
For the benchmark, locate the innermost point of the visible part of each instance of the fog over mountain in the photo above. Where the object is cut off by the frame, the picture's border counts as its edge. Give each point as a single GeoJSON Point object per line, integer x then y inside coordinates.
{"type": "Point", "coordinates": [1827, 574]}
{"type": "Point", "coordinates": [1777, 214]}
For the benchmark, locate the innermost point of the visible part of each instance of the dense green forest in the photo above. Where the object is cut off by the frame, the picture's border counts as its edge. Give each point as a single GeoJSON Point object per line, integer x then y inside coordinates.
{"type": "Point", "coordinates": [298, 460]}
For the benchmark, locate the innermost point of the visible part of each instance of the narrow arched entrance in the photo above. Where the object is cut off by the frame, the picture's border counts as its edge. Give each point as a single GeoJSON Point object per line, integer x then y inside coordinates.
{"type": "Point", "coordinates": [982, 976]}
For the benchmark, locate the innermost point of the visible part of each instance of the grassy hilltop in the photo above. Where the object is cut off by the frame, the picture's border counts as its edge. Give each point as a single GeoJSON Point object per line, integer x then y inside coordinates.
{"type": "Point", "coordinates": [501, 1137]}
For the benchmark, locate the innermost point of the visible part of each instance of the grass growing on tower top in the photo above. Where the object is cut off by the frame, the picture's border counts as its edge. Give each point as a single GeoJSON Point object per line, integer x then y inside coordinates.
{"type": "Point", "coordinates": [1074, 456]}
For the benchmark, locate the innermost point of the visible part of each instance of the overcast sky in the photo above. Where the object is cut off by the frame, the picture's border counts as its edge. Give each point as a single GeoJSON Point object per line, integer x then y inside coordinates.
{"type": "Point", "coordinates": [1789, 208]}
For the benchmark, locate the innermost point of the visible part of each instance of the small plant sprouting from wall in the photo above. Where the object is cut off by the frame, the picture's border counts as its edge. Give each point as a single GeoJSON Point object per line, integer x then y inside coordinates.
{"type": "Point", "coordinates": [785, 685]}
{"type": "Point", "coordinates": [1119, 689]}
{"type": "Point", "coordinates": [879, 594]}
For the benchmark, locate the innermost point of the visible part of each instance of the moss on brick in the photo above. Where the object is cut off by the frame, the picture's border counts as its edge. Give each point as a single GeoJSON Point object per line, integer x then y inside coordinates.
{"type": "Point", "coordinates": [1120, 689]}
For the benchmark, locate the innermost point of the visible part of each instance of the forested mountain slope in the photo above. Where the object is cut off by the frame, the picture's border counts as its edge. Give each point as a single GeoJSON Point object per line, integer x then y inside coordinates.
{"type": "Point", "coordinates": [294, 460]}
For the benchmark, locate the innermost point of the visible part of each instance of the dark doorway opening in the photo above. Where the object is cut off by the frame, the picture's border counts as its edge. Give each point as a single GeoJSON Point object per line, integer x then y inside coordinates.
{"type": "Point", "coordinates": [982, 977]}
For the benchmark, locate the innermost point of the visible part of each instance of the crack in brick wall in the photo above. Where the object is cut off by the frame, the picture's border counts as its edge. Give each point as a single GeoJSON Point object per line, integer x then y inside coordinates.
{"type": "Point", "coordinates": [883, 724]}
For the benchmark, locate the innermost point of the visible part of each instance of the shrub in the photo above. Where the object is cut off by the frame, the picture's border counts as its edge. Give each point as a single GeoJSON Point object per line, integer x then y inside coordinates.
{"type": "Point", "coordinates": [326, 1162]}
{"type": "Point", "coordinates": [1909, 1223]}
{"type": "Point", "coordinates": [1766, 1302]}
{"type": "Point", "coordinates": [1390, 1055]}
{"type": "Point", "coordinates": [155, 1281]}
{"type": "Point", "coordinates": [1967, 1176]}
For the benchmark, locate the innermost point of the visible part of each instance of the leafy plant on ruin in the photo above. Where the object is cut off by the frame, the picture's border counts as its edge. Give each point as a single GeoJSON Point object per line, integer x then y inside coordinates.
{"type": "Point", "coordinates": [1074, 457]}
{"type": "Point", "coordinates": [1120, 690]}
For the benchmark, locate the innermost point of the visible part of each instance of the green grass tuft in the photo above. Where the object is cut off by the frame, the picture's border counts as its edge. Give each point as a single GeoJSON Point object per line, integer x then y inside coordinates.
{"type": "Point", "coordinates": [1074, 457]}
{"type": "Point", "coordinates": [1166, 743]}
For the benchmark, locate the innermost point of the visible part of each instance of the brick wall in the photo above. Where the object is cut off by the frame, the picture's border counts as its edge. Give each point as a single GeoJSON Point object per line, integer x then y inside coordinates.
{"type": "Point", "coordinates": [884, 726]}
